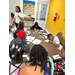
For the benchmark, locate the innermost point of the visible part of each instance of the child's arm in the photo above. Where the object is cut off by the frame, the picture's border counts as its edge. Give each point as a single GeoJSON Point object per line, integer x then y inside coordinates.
{"type": "Point", "coordinates": [21, 18]}
{"type": "Point", "coordinates": [57, 45]}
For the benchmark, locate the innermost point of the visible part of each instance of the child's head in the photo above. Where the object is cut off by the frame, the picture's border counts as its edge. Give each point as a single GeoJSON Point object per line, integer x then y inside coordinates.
{"type": "Point", "coordinates": [17, 9]}
{"type": "Point", "coordinates": [36, 24]}
{"type": "Point", "coordinates": [12, 15]}
{"type": "Point", "coordinates": [62, 53]}
{"type": "Point", "coordinates": [20, 25]}
{"type": "Point", "coordinates": [38, 54]}
{"type": "Point", "coordinates": [50, 36]}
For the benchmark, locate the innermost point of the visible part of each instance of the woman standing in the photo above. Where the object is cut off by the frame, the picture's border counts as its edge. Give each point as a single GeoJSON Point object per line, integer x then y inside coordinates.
{"type": "Point", "coordinates": [18, 15]}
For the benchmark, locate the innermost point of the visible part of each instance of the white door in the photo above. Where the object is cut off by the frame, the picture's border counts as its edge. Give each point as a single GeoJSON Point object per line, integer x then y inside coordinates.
{"type": "Point", "coordinates": [43, 11]}
{"type": "Point", "coordinates": [37, 11]}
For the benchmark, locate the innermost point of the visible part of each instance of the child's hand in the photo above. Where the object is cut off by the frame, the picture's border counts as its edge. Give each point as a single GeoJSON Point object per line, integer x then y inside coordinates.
{"type": "Point", "coordinates": [38, 29]}
{"type": "Point", "coordinates": [51, 41]}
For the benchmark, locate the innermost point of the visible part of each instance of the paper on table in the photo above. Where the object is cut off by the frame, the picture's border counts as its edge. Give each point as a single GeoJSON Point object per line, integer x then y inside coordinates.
{"type": "Point", "coordinates": [45, 36]}
{"type": "Point", "coordinates": [25, 55]}
{"type": "Point", "coordinates": [36, 41]}
{"type": "Point", "coordinates": [47, 40]}
{"type": "Point", "coordinates": [30, 38]}
{"type": "Point", "coordinates": [56, 56]}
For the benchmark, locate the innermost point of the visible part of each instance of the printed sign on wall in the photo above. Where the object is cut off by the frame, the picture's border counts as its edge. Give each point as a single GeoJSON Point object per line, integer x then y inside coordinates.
{"type": "Point", "coordinates": [28, 7]}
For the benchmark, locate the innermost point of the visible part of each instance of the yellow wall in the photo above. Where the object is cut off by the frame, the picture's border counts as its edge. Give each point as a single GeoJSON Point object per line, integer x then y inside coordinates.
{"type": "Point", "coordinates": [59, 25]}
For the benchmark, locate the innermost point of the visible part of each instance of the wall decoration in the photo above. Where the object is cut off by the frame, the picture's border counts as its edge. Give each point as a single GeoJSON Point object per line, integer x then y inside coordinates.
{"type": "Point", "coordinates": [28, 7]}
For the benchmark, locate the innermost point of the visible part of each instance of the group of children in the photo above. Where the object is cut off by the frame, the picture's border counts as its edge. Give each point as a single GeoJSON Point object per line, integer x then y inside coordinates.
{"type": "Point", "coordinates": [15, 18]}
{"type": "Point", "coordinates": [40, 62]}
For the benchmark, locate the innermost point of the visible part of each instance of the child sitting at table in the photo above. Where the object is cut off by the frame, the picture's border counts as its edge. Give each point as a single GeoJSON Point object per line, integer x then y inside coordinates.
{"type": "Point", "coordinates": [40, 63]}
{"type": "Point", "coordinates": [36, 27]}
{"type": "Point", "coordinates": [55, 41]}
{"type": "Point", "coordinates": [12, 21]}
{"type": "Point", "coordinates": [18, 46]}
{"type": "Point", "coordinates": [20, 27]}
{"type": "Point", "coordinates": [60, 66]}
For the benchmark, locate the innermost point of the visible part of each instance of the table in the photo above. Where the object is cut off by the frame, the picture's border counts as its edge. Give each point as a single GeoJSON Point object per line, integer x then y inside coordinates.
{"type": "Point", "coordinates": [51, 49]}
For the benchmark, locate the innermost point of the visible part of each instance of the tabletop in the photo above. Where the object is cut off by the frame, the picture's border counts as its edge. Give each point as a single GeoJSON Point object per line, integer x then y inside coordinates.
{"type": "Point", "coordinates": [51, 49]}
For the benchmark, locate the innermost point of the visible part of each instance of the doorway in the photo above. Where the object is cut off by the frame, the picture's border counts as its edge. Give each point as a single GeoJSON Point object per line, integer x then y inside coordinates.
{"type": "Point", "coordinates": [42, 10]}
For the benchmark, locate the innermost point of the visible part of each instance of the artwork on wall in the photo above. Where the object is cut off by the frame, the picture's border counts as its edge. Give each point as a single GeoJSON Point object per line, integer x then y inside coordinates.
{"type": "Point", "coordinates": [28, 7]}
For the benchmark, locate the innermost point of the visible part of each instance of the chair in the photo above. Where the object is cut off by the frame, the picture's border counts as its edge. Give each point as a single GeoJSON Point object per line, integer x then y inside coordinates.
{"type": "Point", "coordinates": [14, 62]}
{"type": "Point", "coordinates": [62, 40]}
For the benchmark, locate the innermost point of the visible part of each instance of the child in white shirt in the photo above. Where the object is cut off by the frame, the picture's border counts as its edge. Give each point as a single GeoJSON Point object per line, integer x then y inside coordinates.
{"type": "Point", "coordinates": [55, 41]}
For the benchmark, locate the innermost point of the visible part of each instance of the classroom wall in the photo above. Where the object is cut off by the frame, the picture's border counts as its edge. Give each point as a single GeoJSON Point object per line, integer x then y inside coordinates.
{"type": "Point", "coordinates": [59, 25]}
{"type": "Point", "coordinates": [36, 4]}
{"type": "Point", "coordinates": [12, 4]}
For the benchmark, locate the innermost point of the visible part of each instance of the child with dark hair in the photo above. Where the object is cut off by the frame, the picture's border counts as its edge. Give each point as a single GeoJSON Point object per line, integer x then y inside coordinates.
{"type": "Point", "coordinates": [40, 63]}
{"type": "Point", "coordinates": [36, 27]}
{"type": "Point", "coordinates": [18, 15]}
{"type": "Point", "coordinates": [12, 21]}
{"type": "Point", "coordinates": [60, 66]}
{"type": "Point", "coordinates": [62, 53]}
{"type": "Point", "coordinates": [19, 27]}
{"type": "Point", "coordinates": [18, 46]}
{"type": "Point", "coordinates": [55, 41]}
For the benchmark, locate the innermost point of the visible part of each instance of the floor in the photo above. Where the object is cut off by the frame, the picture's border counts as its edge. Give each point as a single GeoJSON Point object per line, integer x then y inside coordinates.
{"type": "Point", "coordinates": [41, 24]}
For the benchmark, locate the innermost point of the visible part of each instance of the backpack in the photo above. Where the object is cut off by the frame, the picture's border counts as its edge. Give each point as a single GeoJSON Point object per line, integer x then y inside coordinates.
{"type": "Point", "coordinates": [18, 46]}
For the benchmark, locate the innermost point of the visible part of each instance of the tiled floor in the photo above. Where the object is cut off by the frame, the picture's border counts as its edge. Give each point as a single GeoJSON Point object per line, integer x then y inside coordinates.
{"type": "Point", "coordinates": [41, 24]}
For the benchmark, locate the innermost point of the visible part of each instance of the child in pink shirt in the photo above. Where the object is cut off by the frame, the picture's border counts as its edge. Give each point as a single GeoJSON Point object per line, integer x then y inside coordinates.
{"type": "Point", "coordinates": [12, 21]}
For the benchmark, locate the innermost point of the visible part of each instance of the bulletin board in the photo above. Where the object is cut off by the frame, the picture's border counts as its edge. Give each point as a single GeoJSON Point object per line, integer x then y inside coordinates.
{"type": "Point", "coordinates": [28, 7]}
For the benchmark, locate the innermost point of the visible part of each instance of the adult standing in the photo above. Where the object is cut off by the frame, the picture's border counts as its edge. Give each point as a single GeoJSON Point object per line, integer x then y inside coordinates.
{"type": "Point", "coordinates": [18, 15]}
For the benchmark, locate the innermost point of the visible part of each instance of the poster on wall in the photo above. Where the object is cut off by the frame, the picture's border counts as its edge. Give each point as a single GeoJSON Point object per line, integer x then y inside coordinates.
{"type": "Point", "coordinates": [28, 7]}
